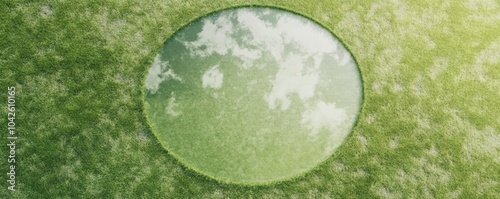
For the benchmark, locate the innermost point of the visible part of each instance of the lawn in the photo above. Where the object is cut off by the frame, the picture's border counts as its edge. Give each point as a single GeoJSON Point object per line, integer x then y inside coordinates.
{"type": "Point", "coordinates": [428, 127]}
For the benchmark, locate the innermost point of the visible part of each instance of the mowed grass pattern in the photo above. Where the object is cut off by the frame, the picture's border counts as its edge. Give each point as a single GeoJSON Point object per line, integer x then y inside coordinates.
{"type": "Point", "coordinates": [429, 125]}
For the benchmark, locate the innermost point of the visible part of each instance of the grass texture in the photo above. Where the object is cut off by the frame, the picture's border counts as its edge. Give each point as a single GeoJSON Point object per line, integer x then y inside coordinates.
{"type": "Point", "coordinates": [429, 126]}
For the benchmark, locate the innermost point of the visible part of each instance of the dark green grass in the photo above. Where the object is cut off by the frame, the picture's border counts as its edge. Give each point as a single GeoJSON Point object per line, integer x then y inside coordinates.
{"type": "Point", "coordinates": [429, 125]}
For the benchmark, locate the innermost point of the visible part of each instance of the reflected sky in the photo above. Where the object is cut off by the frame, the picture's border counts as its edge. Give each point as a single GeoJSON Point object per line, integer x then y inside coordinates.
{"type": "Point", "coordinates": [212, 78]}
{"type": "Point", "coordinates": [263, 84]}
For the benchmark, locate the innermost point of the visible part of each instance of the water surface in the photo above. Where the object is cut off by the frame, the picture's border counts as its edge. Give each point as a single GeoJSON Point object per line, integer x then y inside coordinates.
{"type": "Point", "coordinates": [252, 95]}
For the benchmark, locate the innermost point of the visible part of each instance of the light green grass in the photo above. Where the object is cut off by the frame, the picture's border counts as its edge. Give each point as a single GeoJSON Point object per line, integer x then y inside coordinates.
{"type": "Point", "coordinates": [429, 126]}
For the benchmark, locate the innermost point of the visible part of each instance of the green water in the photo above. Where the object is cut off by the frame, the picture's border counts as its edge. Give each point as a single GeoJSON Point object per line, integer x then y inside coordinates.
{"type": "Point", "coordinates": [252, 95]}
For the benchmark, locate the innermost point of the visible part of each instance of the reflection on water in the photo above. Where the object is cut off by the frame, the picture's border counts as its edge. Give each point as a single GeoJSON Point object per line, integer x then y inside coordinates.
{"type": "Point", "coordinates": [212, 78]}
{"type": "Point", "coordinates": [241, 72]}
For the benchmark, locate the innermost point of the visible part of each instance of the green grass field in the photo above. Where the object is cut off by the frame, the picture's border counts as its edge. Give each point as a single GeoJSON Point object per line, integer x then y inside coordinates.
{"type": "Point", "coordinates": [429, 126]}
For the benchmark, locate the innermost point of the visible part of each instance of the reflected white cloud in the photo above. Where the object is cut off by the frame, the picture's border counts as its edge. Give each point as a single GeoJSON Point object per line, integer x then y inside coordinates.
{"type": "Point", "coordinates": [215, 37]}
{"type": "Point", "coordinates": [263, 34]}
{"type": "Point", "coordinates": [342, 57]}
{"type": "Point", "coordinates": [292, 78]}
{"type": "Point", "coordinates": [296, 75]}
{"type": "Point", "coordinates": [171, 106]}
{"type": "Point", "coordinates": [156, 76]}
{"type": "Point", "coordinates": [311, 38]}
{"type": "Point", "coordinates": [323, 115]}
{"type": "Point", "coordinates": [212, 78]}
{"type": "Point", "coordinates": [218, 37]}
